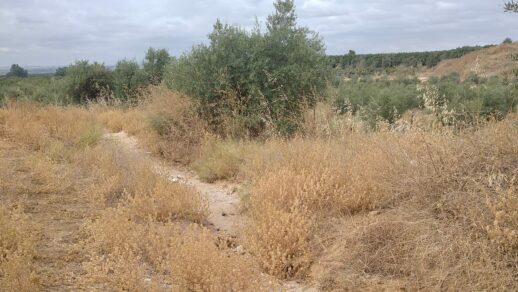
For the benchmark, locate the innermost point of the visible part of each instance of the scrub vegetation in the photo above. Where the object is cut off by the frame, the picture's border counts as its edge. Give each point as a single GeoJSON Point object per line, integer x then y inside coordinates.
{"type": "Point", "coordinates": [250, 164]}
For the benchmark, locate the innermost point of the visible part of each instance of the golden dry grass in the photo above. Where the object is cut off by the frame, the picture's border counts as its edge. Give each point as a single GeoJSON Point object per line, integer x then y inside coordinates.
{"type": "Point", "coordinates": [218, 159]}
{"type": "Point", "coordinates": [440, 203]}
{"type": "Point", "coordinates": [18, 239]}
{"type": "Point", "coordinates": [339, 207]}
{"type": "Point", "coordinates": [108, 220]}
{"type": "Point", "coordinates": [495, 61]}
{"type": "Point", "coordinates": [41, 127]}
{"type": "Point", "coordinates": [165, 123]}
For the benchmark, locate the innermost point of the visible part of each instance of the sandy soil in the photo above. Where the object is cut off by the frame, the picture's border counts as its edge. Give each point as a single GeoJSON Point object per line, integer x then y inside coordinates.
{"type": "Point", "coordinates": [223, 200]}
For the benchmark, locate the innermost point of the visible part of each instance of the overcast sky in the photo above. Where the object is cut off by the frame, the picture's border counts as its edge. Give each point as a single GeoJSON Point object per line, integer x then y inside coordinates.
{"type": "Point", "coordinates": [57, 32]}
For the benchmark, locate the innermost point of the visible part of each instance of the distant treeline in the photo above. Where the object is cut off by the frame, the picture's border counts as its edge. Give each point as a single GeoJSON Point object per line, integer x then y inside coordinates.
{"type": "Point", "coordinates": [391, 60]}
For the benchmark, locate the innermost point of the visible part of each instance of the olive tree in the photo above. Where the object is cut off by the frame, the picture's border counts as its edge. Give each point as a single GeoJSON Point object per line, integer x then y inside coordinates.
{"type": "Point", "coordinates": [88, 81]}
{"type": "Point", "coordinates": [129, 80]}
{"type": "Point", "coordinates": [155, 62]}
{"type": "Point", "coordinates": [256, 80]}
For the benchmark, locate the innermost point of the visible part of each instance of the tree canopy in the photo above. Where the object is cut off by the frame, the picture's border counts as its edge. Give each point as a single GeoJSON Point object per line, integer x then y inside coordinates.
{"type": "Point", "coordinates": [129, 80]}
{"type": "Point", "coordinates": [511, 6]}
{"type": "Point", "coordinates": [88, 81]}
{"type": "Point", "coordinates": [257, 80]}
{"type": "Point", "coordinates": [17, 71]}
{"type": "Point", "coordinates": [154, 64]}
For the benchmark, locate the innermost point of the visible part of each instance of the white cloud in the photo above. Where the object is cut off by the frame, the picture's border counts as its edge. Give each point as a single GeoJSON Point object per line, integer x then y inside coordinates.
{"type": "Point", "coordinates": [4, 50]}
{"type": "Point", "coordinates": [445, 5]}
{"type": "Point", "coordinates": [56, 32]}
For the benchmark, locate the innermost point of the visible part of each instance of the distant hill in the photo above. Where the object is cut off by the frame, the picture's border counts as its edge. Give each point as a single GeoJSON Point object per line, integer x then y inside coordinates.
{"type": "Point", "coordinates": [493, 61]}
{"type": "Point", "coordinates": [369, 63]}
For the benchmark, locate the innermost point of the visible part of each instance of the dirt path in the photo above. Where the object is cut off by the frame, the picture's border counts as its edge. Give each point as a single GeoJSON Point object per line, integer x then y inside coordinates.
{"type": "Point", "coordinates": [223, 201]}
{"type": "Point", "coordinates": [225, 217]}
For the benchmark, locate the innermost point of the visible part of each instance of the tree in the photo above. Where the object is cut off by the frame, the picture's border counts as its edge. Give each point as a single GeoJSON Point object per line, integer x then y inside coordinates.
{"type": "Point", "coordinates": [256, 80]}
{"type": "Point", "coordinates": [129, 80]}
{"type": "Point", "coordinates": [507, 41]}
{"type": "Point", "coordinates": [61, 71]}
{"type": "Point", "coordinates": [511, 7]}
{"type": "Point", "coordinates": [295, 63]}
{"type": "Point", "coordinates": [155, 63]}
{"type": "Point", "coordinates": [86, 82]}
{"type": "Point", "coordinates": [17, 71]}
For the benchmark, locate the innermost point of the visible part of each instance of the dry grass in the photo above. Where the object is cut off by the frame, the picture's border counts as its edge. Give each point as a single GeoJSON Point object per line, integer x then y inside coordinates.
{"type": "Point", "coordinates": [41, 127]}
{"type": "Point", "coordinates": [218, 159]}
{"type": "Point", "coordinates": [495, 61]}
{"type": "Point", "coordinates": [18, 239]}
{"type": "Point", "coordinates": [37, 149]}
{"type": "Point", "coordinates": [504, 208]}
{"type": "Point", "coordinates": [349, 210]}
{"type": "Point", "coordinates": [165, 123]}
{"type": "Point", "coordinates": [449, 199]}
{"type": "Point", "coordinates": [150, 239]}
{"type": "Point", "coordinates": [129, 120]}
{"type": "Point", "coordinates": [157, 198]}
{"type": "Point", "coordinates": [222, 271]}
{"type": "Point", "coordinates": [136, 252]}
{"type": "Point", "coordinates": [139, 230]}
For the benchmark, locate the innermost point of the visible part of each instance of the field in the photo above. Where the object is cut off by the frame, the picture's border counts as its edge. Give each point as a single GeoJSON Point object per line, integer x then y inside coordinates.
{"type": "Point", "coordinates": [257, 162]}
{"type": "Point", "coordinates": [103, 198]}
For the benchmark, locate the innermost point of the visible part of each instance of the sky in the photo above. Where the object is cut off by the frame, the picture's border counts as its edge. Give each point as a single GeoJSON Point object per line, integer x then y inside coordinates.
{"type": "Point", "coordinates": [58, 32]}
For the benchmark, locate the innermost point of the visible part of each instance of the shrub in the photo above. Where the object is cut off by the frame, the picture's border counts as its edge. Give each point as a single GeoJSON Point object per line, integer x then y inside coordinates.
{"type": "Point", "coordinates": [260, 79]}
{"type": "Point", "coordinates": [155, 63]}
{"type": "Point", "coordinates": [129, 80]}
{"type": "Point", "coordinates": [198, 264]}
{"type": "Point", "coordinates": [387, 100]}
{"type": "Point", "coordinates": [176, 130]}
{"type": "Point", "coordinates": [218, 160]}
{"type": "Point", "coordinates": [17, 71]}
{"type": "Point", "coordinates": [87, 82]}
{"type": "Point", "coordinates": [91, 136]}
{"type": "Point", "coordinates": [42, 89]}
{"type": "Point", "coordinates": [61, 71]}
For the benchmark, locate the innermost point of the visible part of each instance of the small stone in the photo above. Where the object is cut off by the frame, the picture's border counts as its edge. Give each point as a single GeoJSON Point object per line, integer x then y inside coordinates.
{"type": "Point", "coordinates": [374, 213]}
{"type": "Point", "coordinates": [239, 249]}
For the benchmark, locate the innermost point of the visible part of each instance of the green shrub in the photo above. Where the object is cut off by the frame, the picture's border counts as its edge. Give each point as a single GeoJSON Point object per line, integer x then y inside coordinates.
{"type": "Point", "coordinates": [262, 80]}
{"type": "Point", "coordinates": [17, 71]}
{"type": "Point", "coordinates": [155, 63]}
{"type": "Point", "coordinates": [160, 123]}
{"type": "Point", "coordinates": [87, 82]}
{"type": "Point", "coordinates": [377, 99]}
{"type": "Point", "coordinates": [91, 136]}
{"type": "Point", "coordinates": [219, 159]}
{"type": "Point", "coordinates": [129, 80]}
{"type": "Point", "coordinates": [387, 100]}
{"type": "Point", "coordinates": [61, 71]}
{"type": "Point", "coordinates": [40, 88]}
